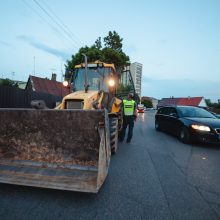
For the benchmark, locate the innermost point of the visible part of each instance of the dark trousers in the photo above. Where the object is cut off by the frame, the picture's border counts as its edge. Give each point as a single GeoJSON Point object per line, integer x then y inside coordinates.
{"type": "Point", "coordinates": [128, 121]}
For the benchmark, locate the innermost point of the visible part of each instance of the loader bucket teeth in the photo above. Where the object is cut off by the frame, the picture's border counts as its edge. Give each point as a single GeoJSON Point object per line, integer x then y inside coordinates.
{"type": "Point", "coordinates": [60, 149]}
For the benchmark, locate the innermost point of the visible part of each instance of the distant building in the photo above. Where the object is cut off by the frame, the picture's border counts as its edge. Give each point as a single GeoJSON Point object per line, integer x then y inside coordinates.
{"type": "Point", "coordinates": [189, 101]}
{"type": "Point", "coordinates": [20, 84]}
{"type": "Point", "coordinates": [48, 86]}
{"type": "Point", "coordinates": [136, 72]}
{"type": "Point", "coordinates": [125, 78]}
{"type": "Point", "coordinates": [153, 100]}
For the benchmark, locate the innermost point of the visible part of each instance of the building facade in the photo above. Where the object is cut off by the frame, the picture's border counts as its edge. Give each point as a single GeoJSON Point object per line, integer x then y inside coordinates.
{"type": "Point", "coordinates": [136, 72]}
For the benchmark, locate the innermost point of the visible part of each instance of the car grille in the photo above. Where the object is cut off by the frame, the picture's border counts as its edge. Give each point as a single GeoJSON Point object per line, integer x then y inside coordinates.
{"type": "Point", "coordinates": [217, 130]}
{"type": "Point", "coordinates": [74, 104]}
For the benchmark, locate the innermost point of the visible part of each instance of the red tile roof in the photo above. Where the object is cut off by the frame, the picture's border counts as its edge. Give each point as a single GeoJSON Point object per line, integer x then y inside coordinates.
{"type": "Point", "coordinates": [147, 98]}
{"type": "Point", "coordinates": [168, 101]}
{"type": "Point", "coordinates": [48, 86]}
{"type": "Point", "coordinates": [191, 101]}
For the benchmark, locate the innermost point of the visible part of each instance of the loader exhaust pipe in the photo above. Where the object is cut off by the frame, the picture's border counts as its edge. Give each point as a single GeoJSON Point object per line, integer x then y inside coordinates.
{"type": "Point", "coordinates": [86, 85]}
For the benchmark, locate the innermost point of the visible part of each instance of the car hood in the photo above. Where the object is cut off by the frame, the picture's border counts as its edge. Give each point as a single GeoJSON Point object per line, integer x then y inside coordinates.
{"type": "Point", "coordinates": [211, 122]}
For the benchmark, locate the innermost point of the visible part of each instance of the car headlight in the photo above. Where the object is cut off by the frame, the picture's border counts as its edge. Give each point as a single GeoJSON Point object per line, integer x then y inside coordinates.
{"type": "Point", "coordinates": [201, 127]}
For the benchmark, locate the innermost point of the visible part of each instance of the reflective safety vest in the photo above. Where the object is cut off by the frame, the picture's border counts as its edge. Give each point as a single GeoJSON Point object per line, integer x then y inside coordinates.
{"type": "Point", "coordinates": [128, 107]}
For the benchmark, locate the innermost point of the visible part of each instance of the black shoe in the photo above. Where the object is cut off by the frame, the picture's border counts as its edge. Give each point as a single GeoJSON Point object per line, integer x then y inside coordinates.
{"type": "Point", "coordinates": [128, 141]}
{"type": "Point", "coordinates": [120, 140]}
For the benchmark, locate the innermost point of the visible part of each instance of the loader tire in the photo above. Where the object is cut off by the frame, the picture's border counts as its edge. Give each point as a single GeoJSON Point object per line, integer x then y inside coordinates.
{"type": "Point", "coordinates": [113, 124]}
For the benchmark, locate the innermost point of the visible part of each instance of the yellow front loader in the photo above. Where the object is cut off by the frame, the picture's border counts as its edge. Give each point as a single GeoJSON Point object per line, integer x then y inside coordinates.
{"type": "Point", "coordinates": [69, 147]}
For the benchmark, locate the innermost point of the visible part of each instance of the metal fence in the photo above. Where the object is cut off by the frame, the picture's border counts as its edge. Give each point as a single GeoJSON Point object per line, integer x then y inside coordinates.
{"type": "Point", "coordinates": [11, 97]}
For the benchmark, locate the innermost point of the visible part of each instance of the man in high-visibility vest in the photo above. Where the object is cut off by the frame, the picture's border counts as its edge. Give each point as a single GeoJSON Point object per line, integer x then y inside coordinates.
{"type": "Point", "coordinates": [129, 116]}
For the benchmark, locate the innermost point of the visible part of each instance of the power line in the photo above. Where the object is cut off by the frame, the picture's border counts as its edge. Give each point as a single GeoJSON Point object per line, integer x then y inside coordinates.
{"type": "Point", "coordinates": [71, 34]}
{"type": "Point", "coordinates": [52, 26]}
{"type": "Point", "coordinates": [57, 23]}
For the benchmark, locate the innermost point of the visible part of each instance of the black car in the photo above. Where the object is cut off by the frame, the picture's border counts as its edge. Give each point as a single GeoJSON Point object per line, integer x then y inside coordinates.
{"type": "Point", "coordinates": [188, 123]}
{"type": "Point", "coordinates": [216, 115]}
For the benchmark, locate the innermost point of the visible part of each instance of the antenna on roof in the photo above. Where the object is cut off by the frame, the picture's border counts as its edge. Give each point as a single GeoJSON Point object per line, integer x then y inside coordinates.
{"type": "Point", "coordinates": [12, 75]}
{"type": "Point", "coordinates": [61, 71]}
{"type": "Point", "coordinates": [34, 65]}
{"type": "Point", "coordinates": [53, 70]}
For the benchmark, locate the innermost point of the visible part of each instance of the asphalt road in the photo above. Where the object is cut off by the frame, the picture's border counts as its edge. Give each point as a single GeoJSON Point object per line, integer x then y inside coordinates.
{"type": "Point", "coordinates": [153, 177]}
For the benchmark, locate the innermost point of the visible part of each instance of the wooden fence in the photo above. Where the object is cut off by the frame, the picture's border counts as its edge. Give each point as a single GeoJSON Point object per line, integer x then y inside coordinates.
{"type": "Point", "coordinates": [11, 97]}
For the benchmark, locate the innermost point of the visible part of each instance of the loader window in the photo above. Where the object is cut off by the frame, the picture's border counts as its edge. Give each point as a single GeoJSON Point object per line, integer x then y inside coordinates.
{"type": "Point", "coordinates": [97, 78]}
{"type": "Point", "coordinates": [126, 84]}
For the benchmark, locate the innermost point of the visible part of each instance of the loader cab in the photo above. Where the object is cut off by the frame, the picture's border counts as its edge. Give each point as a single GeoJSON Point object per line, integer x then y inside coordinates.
{"type": "Point", "coordinates": [100, 76]}
{"type": "Point", "coordinates": [126, 85]}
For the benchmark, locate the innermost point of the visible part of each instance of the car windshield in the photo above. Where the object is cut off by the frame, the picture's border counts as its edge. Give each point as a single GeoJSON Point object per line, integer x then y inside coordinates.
{"type": "Point", "coordinates": [97, 78]}
{"type": "Point", "coordinates": [194, 112]}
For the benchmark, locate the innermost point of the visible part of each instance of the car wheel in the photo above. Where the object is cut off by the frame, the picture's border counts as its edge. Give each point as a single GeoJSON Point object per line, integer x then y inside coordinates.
{"type": "Point", "coordinates": [184, 135]}
{"type": "Point", "coordinates": [157, 126]}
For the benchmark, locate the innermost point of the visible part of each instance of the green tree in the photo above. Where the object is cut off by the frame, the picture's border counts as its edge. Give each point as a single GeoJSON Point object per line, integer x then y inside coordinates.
{"type": "Point", "coordinates": [113, 41]}
{"type": "Point", "coordinates": [211, 104]}
{"type": "Point", "coordinates": [98, 43]}
{"type": "Point", "coordinates": [8, 82]}
{"type": "Point", "coordinates": [119, 59]}
{"type": "Point", "coordinates": [124, 89]}
{"type": "Point", "coordinates": [147, 103]}
{"type": "Point", "coordinates": [93, 54]}
{"type": "Point", "coordinates": [111, 53]}
{"type": "Point", "coordinates": [208, 102]}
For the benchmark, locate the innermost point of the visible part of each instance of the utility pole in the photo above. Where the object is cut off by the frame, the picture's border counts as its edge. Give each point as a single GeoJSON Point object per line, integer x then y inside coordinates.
{"type": "Point", "coordinates": [34, 65]}
{"type": "Point", "coordinates": [52, 70]}
{"type": "Point", "coordinates": [61, 69]}
{"type": "Point", "coordinates": [12, 75]}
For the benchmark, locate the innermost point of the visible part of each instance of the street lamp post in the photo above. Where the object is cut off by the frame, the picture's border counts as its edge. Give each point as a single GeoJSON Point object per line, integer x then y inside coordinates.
{"type": "Point", "coordinates": [34, 65]}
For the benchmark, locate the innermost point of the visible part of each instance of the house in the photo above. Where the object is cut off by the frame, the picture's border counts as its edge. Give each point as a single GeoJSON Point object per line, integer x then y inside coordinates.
{"type": "Point", "coordinates": [48, 86]}
{"type": "Point", "coordinates": [189, 101]}
{"type": "Point", "coordinates": [21, 84]}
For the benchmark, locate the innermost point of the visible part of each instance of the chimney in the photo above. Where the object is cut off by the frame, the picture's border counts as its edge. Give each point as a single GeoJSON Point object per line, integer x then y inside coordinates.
{"type": "Point", "coordinates": [54, 76]}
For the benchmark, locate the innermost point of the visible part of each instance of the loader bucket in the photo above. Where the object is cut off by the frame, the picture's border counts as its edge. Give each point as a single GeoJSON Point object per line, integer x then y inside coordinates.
{"type": "Point", "coordinates": [60, 149]}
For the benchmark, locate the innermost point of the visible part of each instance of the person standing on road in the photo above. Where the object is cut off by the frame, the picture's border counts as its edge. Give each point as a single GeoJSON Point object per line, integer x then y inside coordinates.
{"type": "Point", "coordinates": [129, 116]}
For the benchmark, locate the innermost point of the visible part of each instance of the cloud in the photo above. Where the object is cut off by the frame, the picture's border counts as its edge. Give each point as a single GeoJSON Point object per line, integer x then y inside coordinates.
{"type": "Point", "coordinates": [163, 41]}
{"type": "Point", "coordinates": [43, 47]}
{"type": "Point", "coordinates": [5, 43]}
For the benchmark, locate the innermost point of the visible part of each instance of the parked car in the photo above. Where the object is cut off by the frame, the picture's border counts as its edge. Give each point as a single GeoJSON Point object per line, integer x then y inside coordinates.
{"type": "Point", "coordinates": [188, 123]}
{"type": "Point", "coordinates": [140, 108]}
